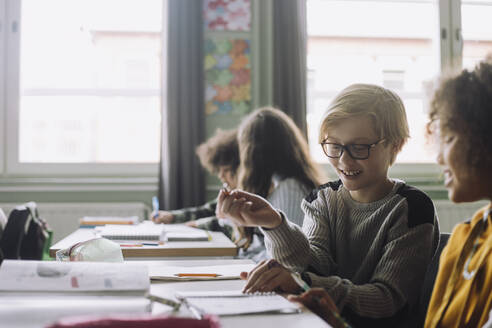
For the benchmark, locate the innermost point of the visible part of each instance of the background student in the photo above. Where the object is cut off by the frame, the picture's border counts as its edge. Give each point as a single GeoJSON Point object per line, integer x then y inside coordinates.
{"type": "Point", "coordinates": [461, 118]}
{"type": "Point", "coordinates": [274, 163]}
{"type": "Point", "coordinates": [220, 156]}
{"type": "Point", "coordinates": [366, 239]}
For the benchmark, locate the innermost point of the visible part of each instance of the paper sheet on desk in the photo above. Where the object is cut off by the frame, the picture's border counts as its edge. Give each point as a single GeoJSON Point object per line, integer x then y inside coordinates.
{"type": "Point", "coordinates": [224, 272]}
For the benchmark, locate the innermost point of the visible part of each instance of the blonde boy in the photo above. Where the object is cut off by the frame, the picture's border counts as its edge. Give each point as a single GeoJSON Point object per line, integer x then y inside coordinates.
{"type": "Point", "coordinates": [366, 238]}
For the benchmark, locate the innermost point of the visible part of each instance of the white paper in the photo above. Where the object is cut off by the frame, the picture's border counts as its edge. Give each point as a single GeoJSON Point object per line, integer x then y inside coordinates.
{"type": "Point", "coordinates": [51, 276]}
{"type": "Point", "coordinates": [163, 272]}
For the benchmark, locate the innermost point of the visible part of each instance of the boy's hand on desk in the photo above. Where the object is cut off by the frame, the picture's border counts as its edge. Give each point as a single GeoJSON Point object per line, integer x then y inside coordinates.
{"type": "Point", "coordinates": [247, 209]}
{"type": "Point", "coordinates": [269, 276]}
{"type": "Point", "coordinates": [319, 301]}
{"type": "Point", "coordinates": [162, 217]}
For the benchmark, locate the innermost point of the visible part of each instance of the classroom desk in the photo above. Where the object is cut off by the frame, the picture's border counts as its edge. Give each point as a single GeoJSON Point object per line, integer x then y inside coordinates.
{"type": "Point", "coordinates": [167, 290]}
{"type": "Point", "coordinates": [219, 246]}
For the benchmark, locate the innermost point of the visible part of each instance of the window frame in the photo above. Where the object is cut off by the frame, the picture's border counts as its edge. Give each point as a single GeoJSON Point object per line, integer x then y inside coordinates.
{"type": "Point", "coordinates": [449, 21]}
{"type": "Point", "coordinates": [450, 47]}
{"type": "Point", "coordinates": [3, 59]}
{"type": "Point", "coordinates": [9, 112]}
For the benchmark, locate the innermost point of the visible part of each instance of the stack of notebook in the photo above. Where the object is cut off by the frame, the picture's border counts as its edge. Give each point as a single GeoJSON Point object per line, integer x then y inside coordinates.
{"type": "Point", "coordinates": [153, 232]}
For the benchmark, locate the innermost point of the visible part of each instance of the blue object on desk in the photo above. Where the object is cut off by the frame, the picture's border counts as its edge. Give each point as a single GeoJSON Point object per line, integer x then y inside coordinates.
{"type": "Point", "coordinates": [155, 206]}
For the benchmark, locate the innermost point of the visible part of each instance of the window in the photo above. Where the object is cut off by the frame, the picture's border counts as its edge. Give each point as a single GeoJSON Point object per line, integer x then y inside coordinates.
{"type": "Point", "coordinates": [476, 24]}
{"type": "Point", "coordinates": [401, 44]}
{"type": "Point", "coordinates": [84, 85]}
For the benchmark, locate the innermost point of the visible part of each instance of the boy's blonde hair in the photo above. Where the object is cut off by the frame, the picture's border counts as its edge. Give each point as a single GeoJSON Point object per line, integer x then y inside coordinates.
{"type": "Point", "coordinates": [384, 107]}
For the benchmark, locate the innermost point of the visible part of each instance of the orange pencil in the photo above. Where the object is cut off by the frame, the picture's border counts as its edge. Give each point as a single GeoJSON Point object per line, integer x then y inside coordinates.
{"type": "Point", "coordinates": [131, 245]}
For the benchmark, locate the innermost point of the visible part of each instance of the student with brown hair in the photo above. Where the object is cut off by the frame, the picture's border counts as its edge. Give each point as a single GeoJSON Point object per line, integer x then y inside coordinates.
{"type": "Point", "coordinates": [220, 156]}
{"type": "Point", "coordinates": [274, 163]}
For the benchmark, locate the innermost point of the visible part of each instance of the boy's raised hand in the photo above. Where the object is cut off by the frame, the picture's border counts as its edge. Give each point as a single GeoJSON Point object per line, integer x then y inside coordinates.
{"type": "Point", "coordinates": [247, 209]}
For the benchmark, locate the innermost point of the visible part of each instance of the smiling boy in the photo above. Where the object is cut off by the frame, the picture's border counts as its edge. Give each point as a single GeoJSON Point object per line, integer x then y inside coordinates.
{"type": "Point", "coordinates": [366, 238]}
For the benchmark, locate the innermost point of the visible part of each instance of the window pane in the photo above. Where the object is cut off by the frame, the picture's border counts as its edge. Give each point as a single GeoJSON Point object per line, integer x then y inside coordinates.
{"type": "Point", "coordinates": [90, 81]}
{"type": "Point", "coordinates": [476, 23]}
{"type": "Point", "coordinates": [373, 42]}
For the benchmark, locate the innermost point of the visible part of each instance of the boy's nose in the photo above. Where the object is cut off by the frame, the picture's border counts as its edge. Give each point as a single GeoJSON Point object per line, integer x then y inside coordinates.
{"type": "Point", "coordinates": [346, 158]}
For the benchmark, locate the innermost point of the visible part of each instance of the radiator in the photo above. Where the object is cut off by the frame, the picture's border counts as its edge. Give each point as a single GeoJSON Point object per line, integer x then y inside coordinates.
{"type": "Point", "coordinates": [451, 214]}
{"type": "Point", "coordinates": [63, 218]}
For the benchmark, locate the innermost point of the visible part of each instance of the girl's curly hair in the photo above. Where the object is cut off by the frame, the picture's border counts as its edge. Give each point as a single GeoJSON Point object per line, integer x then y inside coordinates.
{"type": "Point", "coordinates": [462, 104]}
{"type": "Point", "coordinates": [219, 150]}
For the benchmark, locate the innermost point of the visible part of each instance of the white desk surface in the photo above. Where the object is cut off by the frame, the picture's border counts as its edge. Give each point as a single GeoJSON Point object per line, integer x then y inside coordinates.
{"type": "Point", "coordinates": [219, 246]}
{"type": "Point", "coordinates": [167, 290]}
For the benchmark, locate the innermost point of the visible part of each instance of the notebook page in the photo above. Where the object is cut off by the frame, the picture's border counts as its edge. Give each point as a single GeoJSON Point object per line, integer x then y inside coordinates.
{"type": "Point", "coordinates": [225, 303]}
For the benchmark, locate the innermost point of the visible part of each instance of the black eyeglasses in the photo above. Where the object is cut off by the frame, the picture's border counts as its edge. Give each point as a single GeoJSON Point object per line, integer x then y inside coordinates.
{"type": "Point", "coordinates": [356, 151]}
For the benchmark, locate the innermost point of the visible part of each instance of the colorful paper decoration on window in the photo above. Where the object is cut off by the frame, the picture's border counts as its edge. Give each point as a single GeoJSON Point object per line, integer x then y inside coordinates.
{"type": "Point", "coordinates": [227, 15]}
{"type": "Point", "coordinates": [227, 76]}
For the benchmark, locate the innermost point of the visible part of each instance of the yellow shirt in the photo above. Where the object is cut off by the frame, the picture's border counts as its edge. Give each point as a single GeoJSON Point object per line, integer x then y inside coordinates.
{"type": "Point", "coordinates": [456, 301]}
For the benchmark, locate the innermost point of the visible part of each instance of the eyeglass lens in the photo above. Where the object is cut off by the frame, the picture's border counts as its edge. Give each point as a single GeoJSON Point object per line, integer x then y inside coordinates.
{"type": "Point", "coordinates": [355, 151]}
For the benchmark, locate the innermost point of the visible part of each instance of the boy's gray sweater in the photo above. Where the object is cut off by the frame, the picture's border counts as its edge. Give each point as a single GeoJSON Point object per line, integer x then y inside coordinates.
{"type": "Point", "coordinates": [370, 257]}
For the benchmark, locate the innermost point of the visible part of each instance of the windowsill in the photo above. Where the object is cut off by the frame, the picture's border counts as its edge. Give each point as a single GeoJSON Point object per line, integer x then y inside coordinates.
{"type": "Point", "coordinates": [75, 184]}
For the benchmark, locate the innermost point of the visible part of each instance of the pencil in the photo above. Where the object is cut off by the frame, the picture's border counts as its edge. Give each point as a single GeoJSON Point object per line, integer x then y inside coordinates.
{"type": "Point", "coordinates": [162, 300]}
{"type": "Point", "coordinates": [306, 287]}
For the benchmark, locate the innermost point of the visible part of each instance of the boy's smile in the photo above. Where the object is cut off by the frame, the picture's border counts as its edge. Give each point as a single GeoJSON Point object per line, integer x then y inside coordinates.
{"type": "Point", "coordinates": [349, 174]}
{"type": "Point", "coordinates": [366, 179]}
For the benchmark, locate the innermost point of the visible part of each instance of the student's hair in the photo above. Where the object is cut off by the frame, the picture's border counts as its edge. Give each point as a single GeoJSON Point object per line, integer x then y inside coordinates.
{"type": "Point", "coordinates": [271, 143]}
{"type": "Point", "coordinates": [383, 106]}
{"type": "Point", "coordinates": [462, 104]}
{"type": "Point", "coordinates": [220, 150]}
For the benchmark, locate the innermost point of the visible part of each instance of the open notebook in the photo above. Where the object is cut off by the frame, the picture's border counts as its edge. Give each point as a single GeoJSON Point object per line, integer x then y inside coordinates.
{"type": "Point", "coordinates": [234, 302]}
